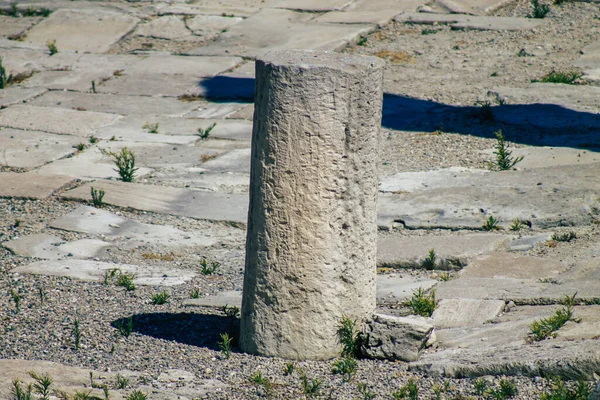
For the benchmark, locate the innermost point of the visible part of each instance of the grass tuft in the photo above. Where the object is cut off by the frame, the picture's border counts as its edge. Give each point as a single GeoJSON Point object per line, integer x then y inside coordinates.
{"type": "Point", "coordinates": [348, 337]}
{"type": "Point", "coordinates": [567, 78]}
{"type": "Point", "coordinates": [160, 298]}
{"type": "Point", "coordinates": [421, 303]}
{"type": "Point", "coordinates": [504, 159]}
{"type": "Point", "coordinates": [546, 327]}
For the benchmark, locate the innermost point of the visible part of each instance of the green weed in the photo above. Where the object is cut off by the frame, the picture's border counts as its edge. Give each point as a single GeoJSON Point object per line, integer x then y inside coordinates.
{"type": "Point", "coordinates": [125, 163]}
{"type": "Point", "coordinates": [4, 79]}
{"type": "Point", "coordinates": [204, 133]}
{"type": "Point", "coordinates": [361, 41]}
{"type": "Point", "coordinates": [289, 368]}
{"type": "Point", "coordinates": [151, 128]}
{"type": "Point", "coordinates": [93, 86]}
{"type": "Point", "coordinates": [21, 393]}
{"type": "Point", "coordinates": [264, 384]}
{"type": "Point", "coordinates": [539, 9]}
{"type": "Point", "coordinates": [124, 326]}
{"type": "Point", "coordinates": [225, 345]}
{"type": "Point", "coordinates": [16, 298]}
{"type": "Point", "coordinates": [80, 146]}
{"type": "Point", "coordinates": [231, 312]}
{"type": "Point", "coordinates": [564, 237]}
{"type": "Point", "coordinates": [481, 386]}
{"type": "Point", "coordinates": [41, 384]}
{"type": "Point", "coordinates": [310, 387]}
{"type": "Point", "coordinates": [51, 44]}
{"type": "Point", "coordinates": [348, 337]}
{"type": "Point", "coordinates": [136, 395]}
{"type": "Point", "coordinates": [545, 327]}
{"type": "Point", "coordinates": [122, 382]}
{"type": "Point", "coordinates": [195, 293]}
{"type": "Point", "coordinates": [504, 160]}
{"type": "Point", "coordinates": [209, 269]}
{"type": "Point", "coordinates": [421, 303]}
{"type": "Point", "coordinates": [517, 225]}
{"type": "Point", "coordinates": [93, 139]}
{"type": "Point", "coordinates": [125, 279]}
{"type": "Point", "coordinates": [160, 298]}
{"type": "Point", "coordinates": [561, 77]}
{"type": "Point", "coordinates": [346, 367]}
{"type": "Point", "coordinates": [430, 260]}
{"type": "Point", "coordinates": [42, 294]}
{"type": "Point", "coordinates": [561, 391]}
{"type": "Point", "coordinates": [506, 389]}
{"type": "Point", "coordinates": [97, 198]}
{"type": "Point", "coordinates": [365, 392]}
{"type": "Point", "coordinates": [410, 391]}
{"type": "Point", "coordinates": [491, 224]}
{"type": "Point", "coordinates": [76, 331]}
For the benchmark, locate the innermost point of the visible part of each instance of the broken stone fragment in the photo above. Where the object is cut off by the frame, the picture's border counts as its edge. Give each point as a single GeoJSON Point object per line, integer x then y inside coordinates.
{"type": "Point", "coordinates": [395, 338]}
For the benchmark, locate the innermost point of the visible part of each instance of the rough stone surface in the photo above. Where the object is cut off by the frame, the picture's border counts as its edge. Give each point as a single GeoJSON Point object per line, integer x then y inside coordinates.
{"type": "Point", "coordinates": [55, 120]}
{"type": "Point", "coordinates": [211, 25]}
{"type": "Point", "coordinates": [395, 338]}
{"type": "Point", "coordinates": [31, 149]}
{"type": "Point", "coordinates": [168, 27]}
{"type": "Point", "coordinates": [395, 287]}
{"type": "Point", "coordinates": [94, 271]}
{"type": "Point", "coordinates": [302, 215]}
{"type": "Point", "coordinates": [30, 185]}
{"type": "Point", "coordinates": [82, 30]}
{"type": "Point", "coordinates": [314, 5]}
{"type": "Point", "coordinates": [226, 298]}
{"type": "Point", "coordinates": [168, 200]}
{"type": "Point", "coordinates": [451, 313]}
{"type": "Point", "coordinates": [513, 266]}
{"type": "Point", "coordinates": [14, 95]}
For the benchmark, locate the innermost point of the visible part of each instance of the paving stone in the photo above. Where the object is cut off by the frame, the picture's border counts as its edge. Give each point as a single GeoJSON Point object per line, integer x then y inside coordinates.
{"type": "Point", "coordinates": [106, 103]}
{"type": "Point", "coordinates": [217, 110]}
{"type": "Point", "coordinates": [496, 334]}
{"type": "Point", "coordinates": [168, 27]}
{"type": "Point", "coordinates": [568, 360]}
{"type": "Point", "coordinates": [587, 328]}
{"type": "Point", "coordinates": [86, 165]}
{"type": "Point", "coordinates": [380, 18]}
{"type": "Point", "coordinates": [476, 7]}
{"type": "Point", "coordinates": [409, 252]}
{"type": "Point", "coordinates": [590, 61]}
{"type": "Point", "coordinates": [395, 338]}
{"type": "Point", "coordinates": [276, 29]}
{"type": "Point", "coordinates": [181, 65]}
{"type": "Point", "coordinates": [550, 105]}
{"type": "Point", "coordinates": [540, 157]}
{"type": "Point", "coordinates": [430, 18]}
{"type": "Point", "coordinates": [163, 85]}
{"type": "Point", "coordinates": [94, 271]}
{"type": "Point", "coordinates": [396, 287]}
{"type": "Point", "coordinates": [233, 161]}
{"type": "Point", "coordinates": [67, 80]}
{"type": "Point", "coordinates": [14, 95]}
{"type": "Point", "coordinates": [31, 185]}
{"type": "Point", "coordinates": [514, 266]}
{"type": "Point", "coordinates": [31, 149]}
{"type": "Point", "coordinates": [10, 26]}
{"type": "Point", "coordinates": [528, 242]}
{"type": "Point", "coordinates": [200, 179]}
{"type": "Point", "coordinates": [313, 5]}
{"type": "Point", "coordinates": [391, 5]}
{"type": "Point", "coordinates": [209, 26]}
{"type": "Point", "coordinates": [546, 197]}
{"type": "Point", "coordinates": [209, 7]}
{"type": "Point", "coordinates": [82, 30]}
{"type": "Point", "coordinates": [51, 247]}
{"type": "Point", "coordinates": [245, 112]}
{"type": "Point", "coordinates": [55, 120]}
{"type": "Point", "coordinates": [113, 227]}
{"type": "Point", "coordinates": [167, 200]}
{"type": "Point", "coordinates": [454, 313]}
{"type": "Point", "coordinates": [520, 291]}
{"type": "Point", "coordinates": [221, 299]}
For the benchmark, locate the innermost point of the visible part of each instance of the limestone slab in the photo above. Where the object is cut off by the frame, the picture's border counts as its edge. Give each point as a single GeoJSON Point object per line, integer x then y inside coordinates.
{"type": "Point", "coordinates": [545, 197]}
{"type": "Point", "coordinates": [190, 203]}
{"type": "Point", "coordinates": [86, 165]}
{"type": "Point", "coordinates": [528, 242]}
{"type": "Point", "coordinates": [540, 157]}
{"type": "Point", "coordinates": [480, 337]}
{"type": "Point", "coordinates": [82, 30]}
{"type": "Point", "coordinates": [216, 110]}
{"type": "Point", "coordinates": [390, 5]}
{"type": "Point", "coordinates": [94, 271]}
{"type": "Point", "coordinates": [106, 103]}
{"type": "Point", "coordinates": [456, 250]}
{"type": "Point", "coordinates": [183, 65]}
{"type": "Point", "coordinates": [31, 149]}
{"type": "Point", "coordinates": [521, 291]}
{"type": "Point", "coordinates": [313, 5]}
{"type": "Point", "coordinates": [113, 227]}
{"type": "Point", "coordinates": [163, 85]}
{"type": "Point", "coordinates": [398, 287]}
{"type": "Point", "coordinates": [234, 161]}
{"type": "Point", "coordinates": [168, 27]}
{"type": "Point", "coordinates": [395, 338]}
{"type": "Point", "coordinates": [55, 120]}
{"type": "Point", "coordinates": [514, 266]}
{"type": "Point", "coordinates": [40, 245]}
{"type": "Point", "coordinates": [379, 18]}
{"type": "Point", "coordinates": [31, 185]}
{"type": "Point", "coordinates": [568, 360]}
{"type": "Point", "coordinates": [454, 313]}
{"type": "Point", "coordinates": [221, 299]}
{"type": "Point", "coordinates": [590, 61]}
{"type": "Point", "coordinates": [14, 95]}
{"type": "Point", "coordinates": [278, 29]}
{"type": "Point", "coordinates": [80, 81]}
{"type": "Point", "coordinates": [10, 26]}
{"type": "Point", "coordinates": [476, 7]}
{"type": "Point", "coordinates": [588, 326]}
{"type": "Point", "coordinates": [210, 25]}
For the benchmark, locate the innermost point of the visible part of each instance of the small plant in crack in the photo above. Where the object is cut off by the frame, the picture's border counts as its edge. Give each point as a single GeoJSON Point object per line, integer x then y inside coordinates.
{"type": "Point", "coordinates": [160, 298]}
{"type": "Point", "coordinates": [93, 139]}
{"type": "Point", "coordinates": [410, 390]}
{"type": "Point", "coordinates": [125, 163]}
{"type": "Point", "coordinates": [421, 303]}
{"type": "Point", "coordinates": [41, 385]}
{"type": "Point", "coordinates": [480, 386]}
{"type": "Point", "coordinates": [51, 44]}
{"type": "Point", "coordinates": [504, 159]}
{"type": "Point", "coordinates": [365, 392]}
{"type": "Point", "coordinates": [506, 389]}
{"type": "Point", "coordinates": [539, 9]}
{"type": "Point", "coordinates": [289, 368]}
{"type": "Point", "coordinates": [564, 237]}
{"type": "Point", "coordinates": [346, 367]}
{"type": "Point", "coordinates": [42, 294]}
{"type": "Point", "coordinates": [124, 326]}
{"type": "Point", "coordinates": [151, 128]}
{"type": "Point", "coordinates": [430, 261]}
{"type": "Point", "coordinates": [16, 298]}
{"type": "Point", "coordinates": [348, 337]}
{"type": "Point", "coordinates": [517, 225]}
{"type": "Point", "coordinates": [264, 386]}
{"type": "Point", "coordinates": [205, 132]}
{"type": "Point", "coordinates": [97, 199]}
{"type": "Point", "coordinates": [195, 293]}
{"type": "Point", "coordinates": [136, 395]}
{"type": "Point", "coordinates": [4, 79]}
{"type": "Point", "coordinates": [567, 78]}
{"type": "Point", "coordinates": [561, 391]}
{"type": "Point", "coordinates": [310, 387]}
{"type": "Point", "coordinates": [76, 331]}
{"type": "Point", "coordinates": [225, 345]}
{"type": "Point", "coordinates": [444, 276]}
{"type": "Point", "coordinates": [20, 392]}
{"type": "Point", "coordinates": [231, 311]}
{"type": "Point", "coordinates": [93, 86]}
{"type": "Point", "coordinates": [546, 327]}
{"type": "Point", "coordinates": [491, 224]}
{"type": "Point", "coordinates": [125, 279]}
{"type": "Point", "coordinates": [80, 146]}
{"type": "Point", "coordinates": [122, 381]}
{"type": "Point", "coordinates": [209, 268]}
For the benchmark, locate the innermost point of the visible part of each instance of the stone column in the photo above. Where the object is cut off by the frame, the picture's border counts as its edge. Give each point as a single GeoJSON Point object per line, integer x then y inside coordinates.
{"type": "Point", "coordinates": [312, 233]}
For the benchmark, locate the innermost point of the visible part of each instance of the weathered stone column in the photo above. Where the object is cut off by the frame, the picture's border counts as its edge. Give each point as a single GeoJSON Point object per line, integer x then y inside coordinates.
{"type": "Point", "coordinates": [312, 234]}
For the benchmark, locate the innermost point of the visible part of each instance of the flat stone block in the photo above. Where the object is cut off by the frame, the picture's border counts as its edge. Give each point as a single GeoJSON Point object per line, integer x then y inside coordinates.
{"type": "Point", "coordinates": [217, 110]}
{"type": "Point", "coordinates": [39, 245]}
{"type": "Point", "coordinates": [278, 29]}
{"type": "Point", "coordinates": [234, 161]}
{"type": "Point", "coordinates": [396, 287]}
{"type": "Point", "coordinates": [528, 242]}
{"type": "Point", "coordinates": [94, 271]}
{"type": "Point", "coordinates": [378, 5]}
{"type": "Point", "coordinates": [31, 185]}
{"type": "Point", "coordinates": [96, 221]}
{"type": "Point", "coordinates": [10, 26]}
{"type": "Point", "coordinates": [163, 85]}
{"type": "Point", "coordinates": [189, 203]}
{"type": "Point", "coordinates": [55, 120]}
{"type": "Point", "coordinates": [587, 328]}
{"type": "Point", "coordinates": [91, 31]}
{"type": "Point", "coordinates": [540, 157]}
{"type": "Point", "coordinates": [182, 65]}
{"type": "Point", "coordinates": [313, 5]}
{"type": "Point", "coordinates": [79, 81]}
{"type": "Point", "coordinates": [15, 95]}
{"type": "Point", "coordinates": [513, 266]}
{"type": "Point", "coordinates": [31, 149]}
{"type": "Point", "coordinates": [211, 25]}
{"type": "Point", "coordinates": [227, 298]}
{"type": "Point", "coordinates": [106, 103]}
{"type": "Point", "coordinates": [395, 338]}
{"type": "Point", "coordinates": [521, 291]}
{"type": "Point", "coordinates": [168, 27]}
{"type": "Point", "coordinates": [475, 7]}
{"type": "Point", "coordinates": [497, 24]}
{"type": "Point", "coordinates": [379, 18]}
{"type": "Point", "coordinates": [454, 313]}
{"type": "Point", "coordinates": [456, 250]}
